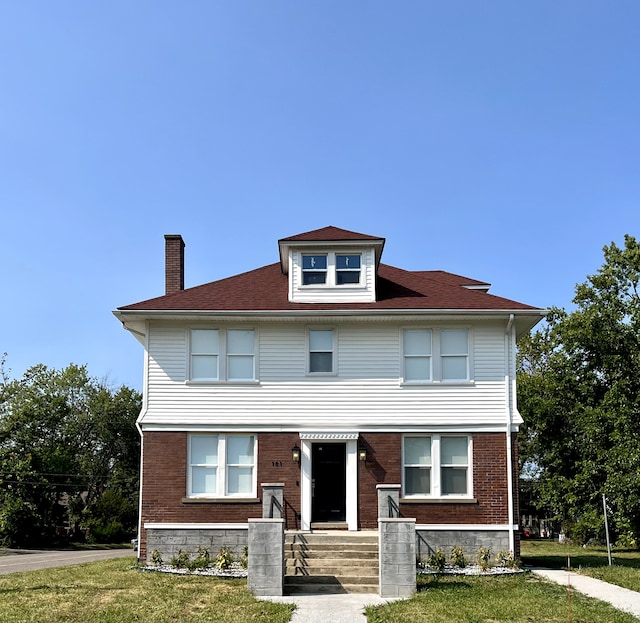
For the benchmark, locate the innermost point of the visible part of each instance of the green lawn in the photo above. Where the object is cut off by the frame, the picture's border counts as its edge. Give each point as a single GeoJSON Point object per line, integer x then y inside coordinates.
{"type": "Point", "coordinates": [115, 591]}
{"type": "Point", "coordinates": [499, 599]}
{"type": "Point", "coordinates": [591, 561]}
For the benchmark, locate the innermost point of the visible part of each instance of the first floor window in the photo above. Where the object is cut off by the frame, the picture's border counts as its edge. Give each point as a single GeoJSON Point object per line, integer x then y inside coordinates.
{"type": "Point", "coordinates": [436, 465]}
{"type": "Point", "coordinates": [222, 465]}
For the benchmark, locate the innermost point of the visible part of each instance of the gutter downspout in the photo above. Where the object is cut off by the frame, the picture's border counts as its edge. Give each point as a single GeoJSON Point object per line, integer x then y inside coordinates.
{"type": "Point", "coordinates": [143, 411]}
{"type": "Point", "coordinates": [509, 342]}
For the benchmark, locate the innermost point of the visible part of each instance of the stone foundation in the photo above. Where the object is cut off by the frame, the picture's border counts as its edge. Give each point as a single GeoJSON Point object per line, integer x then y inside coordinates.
{"type": "Point", "coordinates": [168, 541]}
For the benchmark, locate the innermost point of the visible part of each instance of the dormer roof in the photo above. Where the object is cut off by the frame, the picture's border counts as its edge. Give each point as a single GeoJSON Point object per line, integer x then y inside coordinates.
{"type": "Point", "coordinates": [329, 236]}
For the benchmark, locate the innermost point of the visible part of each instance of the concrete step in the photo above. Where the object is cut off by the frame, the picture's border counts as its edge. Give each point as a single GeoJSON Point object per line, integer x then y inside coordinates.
{"type": "Point", "coordinates": [327, 551]}
{"type": "Point", "coordinates": [329, 538]}
{"type": "Point", "coordinates": [327, 584]}
{"type": "Point", "coordinates": [363, 574]}
{"type": "Point", "coordinates": [347, 563]}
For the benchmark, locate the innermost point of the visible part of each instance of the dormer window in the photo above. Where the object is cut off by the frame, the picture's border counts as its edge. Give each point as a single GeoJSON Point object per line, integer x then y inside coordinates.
{"type": "Point", "coordinates": [347, 269]}
{"type": "Point", "coordinates": [314, 269]}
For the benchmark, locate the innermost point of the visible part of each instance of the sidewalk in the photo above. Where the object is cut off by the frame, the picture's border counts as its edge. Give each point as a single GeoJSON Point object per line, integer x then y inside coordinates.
{"type": "Point", "coordinates": [618, 597]}
{"type": "Point", "coordinates": [345, 608]}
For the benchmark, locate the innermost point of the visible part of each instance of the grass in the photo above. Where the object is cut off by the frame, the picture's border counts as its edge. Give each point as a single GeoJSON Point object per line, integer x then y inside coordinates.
{"type": "Point", "coordinates": [592, 561]}
{"type": "Point", "coordinates": [494, 599]}
{"type": "Point", "coordinates": [115, 591]}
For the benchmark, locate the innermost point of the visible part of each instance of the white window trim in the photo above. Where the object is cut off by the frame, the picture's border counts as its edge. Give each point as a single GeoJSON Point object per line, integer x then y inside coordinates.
{"type": "Point", "coordinates": [221, 475]}
{"type": "Point", "coordinates": [436, 357]}
{"type": "Point", "coordinates": [334, 360]}
{"type": "Point", "coordinates": [223, 357]}
{"type": "Point", "coordinates": [332, 281]}
{"type": "Point", "coordinates": [436, 465]}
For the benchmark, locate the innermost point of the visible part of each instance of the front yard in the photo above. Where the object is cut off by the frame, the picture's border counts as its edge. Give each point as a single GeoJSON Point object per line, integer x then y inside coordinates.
{"type": "Point", "coordinates": [116, 591]}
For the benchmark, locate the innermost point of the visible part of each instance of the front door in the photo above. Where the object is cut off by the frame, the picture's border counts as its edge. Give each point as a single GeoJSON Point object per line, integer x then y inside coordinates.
{"type": "Point", "coordinates": [328, 482]}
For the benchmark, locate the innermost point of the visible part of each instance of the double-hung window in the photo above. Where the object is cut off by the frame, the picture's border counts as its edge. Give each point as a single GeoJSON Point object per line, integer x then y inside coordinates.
{"type": "Point", "coordinates": [222, 465]}
{"type": "Point", "coordinates": [222, 355]}
{"type": "Point", "coordinates": [321, 351]}
{"type": "Point", "coordinates": [347, 269]}
{"type": "Point", "coordinates": [314, 269]}
{"type": "Point", "coordinates": [436, 466]}
{"type": "Point", "coordinates": [435, 355]}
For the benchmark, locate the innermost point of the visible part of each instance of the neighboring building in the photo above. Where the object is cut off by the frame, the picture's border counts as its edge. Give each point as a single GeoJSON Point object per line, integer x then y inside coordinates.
{"type": "Point", "coordinates": [375, 374]}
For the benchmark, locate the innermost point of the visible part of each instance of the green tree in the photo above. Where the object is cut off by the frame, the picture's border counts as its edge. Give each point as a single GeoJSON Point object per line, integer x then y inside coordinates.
{"type": "Point", "coordinates": [579, 394]}
{"type": "Point", "coordinates": [65, 439]}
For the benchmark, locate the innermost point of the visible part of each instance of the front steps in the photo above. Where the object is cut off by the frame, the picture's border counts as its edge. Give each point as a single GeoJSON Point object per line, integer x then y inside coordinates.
{"type": "Point", "coordinates": [331, 562]}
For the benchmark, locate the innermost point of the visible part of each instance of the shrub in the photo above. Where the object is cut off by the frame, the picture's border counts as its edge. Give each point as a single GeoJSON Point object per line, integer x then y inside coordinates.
{"type": "Point", "coordinates": [224, 559]}
{"type": "Point", "coordinates": [181, 559]}
{"type": "Point", "coordinates": [244, 557]}
{"type": "Point", "coordinates": [507, 559]}
{"type": "Point", "coordinates": [156, 558]}
{"type": "Point", "coordinates": [457, 557]}
{"type": "Point", "coordinates": [202, 559]}
{"type": "Point", "coordinates": [437, 560]}
{"type": "Point", "coordinates": [483, 556]}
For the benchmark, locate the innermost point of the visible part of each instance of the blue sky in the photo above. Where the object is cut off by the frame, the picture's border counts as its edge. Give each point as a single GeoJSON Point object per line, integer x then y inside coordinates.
{"type": "Point", "coordinates": [499, 140]}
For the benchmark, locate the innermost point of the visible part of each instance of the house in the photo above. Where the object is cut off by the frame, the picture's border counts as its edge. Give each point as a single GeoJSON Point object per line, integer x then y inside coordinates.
{"type": "Point", "coordinates": [330, 373]}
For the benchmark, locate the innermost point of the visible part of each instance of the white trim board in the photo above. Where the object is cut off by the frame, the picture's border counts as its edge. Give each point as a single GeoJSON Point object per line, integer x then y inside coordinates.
{"type": "Point", "coordinates": [196, 526]}
{"type": "Point", "coordinates": [465, 526]}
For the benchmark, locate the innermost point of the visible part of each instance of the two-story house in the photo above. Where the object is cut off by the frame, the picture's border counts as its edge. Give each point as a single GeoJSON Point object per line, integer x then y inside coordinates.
{"type": "Point", "coordinates": [330, 372]}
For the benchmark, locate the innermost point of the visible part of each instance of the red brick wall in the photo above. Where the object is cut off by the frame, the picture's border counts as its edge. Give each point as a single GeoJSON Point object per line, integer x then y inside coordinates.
{"type": "Point", "coordinates": [165, 477]}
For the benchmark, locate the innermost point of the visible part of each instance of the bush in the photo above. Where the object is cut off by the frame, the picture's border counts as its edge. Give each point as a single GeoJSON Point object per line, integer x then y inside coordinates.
{"type": "Point", "coordinates": [202, 559]}
{"type": "Point", "coordinates": [483, 557]}
{"type": "Point", "coordinates": [181, 560]}
{"type": "Point", "coordinates": [457, 557]}
{"type": "Point", "coordinates": [224, 559]}
{"type": "Point", "coordinates": [507, 559]}
{"type": "Point", "coordinates": [437, 561]}
{"type": "Point", "coordinates": [244, 557]}
{"type": "Point", "coordinates": [156, 558]}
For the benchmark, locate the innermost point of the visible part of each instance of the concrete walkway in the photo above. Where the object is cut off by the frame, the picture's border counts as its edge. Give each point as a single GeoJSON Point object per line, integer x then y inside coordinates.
{"type": "Point", "coordinates": [343, 608]}
{"type": "Point", "coordinates": [620, 598]}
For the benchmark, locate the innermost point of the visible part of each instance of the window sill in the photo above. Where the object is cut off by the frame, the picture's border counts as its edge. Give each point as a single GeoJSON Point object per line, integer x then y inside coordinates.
{"type": "Point", "coordinates": [443, 500]}
{"type": "Point", "coordinates": [254, 382]}
{"type": "Point", "coordinates": [228, 500]}
{"type": "Point", "coordinates": [437, 383]}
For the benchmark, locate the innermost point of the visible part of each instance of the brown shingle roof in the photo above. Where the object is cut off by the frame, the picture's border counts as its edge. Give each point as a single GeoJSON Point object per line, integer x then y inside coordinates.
{"type": "Point", "coordinates": [266, 289]}
{"type": "Point", "coordinates": [329, 234]}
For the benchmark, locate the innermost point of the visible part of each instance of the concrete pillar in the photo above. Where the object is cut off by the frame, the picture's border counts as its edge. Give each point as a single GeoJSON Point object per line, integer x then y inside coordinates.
{"type": "Point", "coordinates": [272, 500]}
{"type": "Point", "coordinates": [397, 543]}
{"type": "Point", "coordinates": [265, 569]}
{"type": "Point", "coordinates": [386, 493]}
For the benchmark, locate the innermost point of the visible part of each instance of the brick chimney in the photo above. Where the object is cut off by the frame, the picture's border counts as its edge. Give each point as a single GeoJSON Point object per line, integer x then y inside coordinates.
{"type": "Point", "coordinates": [173, 263]}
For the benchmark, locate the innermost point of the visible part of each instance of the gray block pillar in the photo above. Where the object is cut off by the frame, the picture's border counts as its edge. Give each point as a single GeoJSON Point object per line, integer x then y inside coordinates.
{"type": "Point", "coordinates": [397, 542]}
{"type": "Point", "coordinates": [265, 568]}
{"type": "Point", "coordinates": [388, 500]}
{"type": "Point", "coordinates": [272, 500]}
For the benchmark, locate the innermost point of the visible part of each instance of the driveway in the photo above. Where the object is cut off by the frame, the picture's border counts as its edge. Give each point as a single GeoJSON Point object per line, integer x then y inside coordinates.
{"type": "Point", "coordinates": [30, 560]}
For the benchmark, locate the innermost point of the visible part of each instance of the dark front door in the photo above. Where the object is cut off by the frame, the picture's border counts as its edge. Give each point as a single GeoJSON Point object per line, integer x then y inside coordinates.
{"type": "Point", "coordinates": [329, 481]}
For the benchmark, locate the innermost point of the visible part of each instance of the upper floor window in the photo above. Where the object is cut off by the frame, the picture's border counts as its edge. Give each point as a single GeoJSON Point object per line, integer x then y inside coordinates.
{"type": "Point", "coordinates": [221, 465]}
{"type": "Point", "coordinates": [314, 269]}
{"type": "Point", "coordinates": [437, 465]}
{"type": "Point", "coordinates": [222, 355]}
{"type": "Point", "coordinates": [321, 351]}
{"type": "Point", "coordinates": [435, 355]}
{"type": "Point", "coordinates": [332, 269]}
{"type": "Point", "coordinates": [347, 269]}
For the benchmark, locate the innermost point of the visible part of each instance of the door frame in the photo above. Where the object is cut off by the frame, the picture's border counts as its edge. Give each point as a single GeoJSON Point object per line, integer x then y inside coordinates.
{"type": "Point", "coordinates": [351, 474]}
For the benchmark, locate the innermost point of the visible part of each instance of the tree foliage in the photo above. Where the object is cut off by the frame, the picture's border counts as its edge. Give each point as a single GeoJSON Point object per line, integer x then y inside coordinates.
{"type": "Point", "coordinates": [579, 394]}
{"type": "Point", "coordinates": [66, 441]}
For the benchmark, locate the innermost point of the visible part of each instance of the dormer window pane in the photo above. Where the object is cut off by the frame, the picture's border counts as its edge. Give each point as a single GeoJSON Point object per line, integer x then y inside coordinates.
{"type": "Point", "coordinates": [347, 269]}
{"type": "Point", "coordinates": [314, 269]}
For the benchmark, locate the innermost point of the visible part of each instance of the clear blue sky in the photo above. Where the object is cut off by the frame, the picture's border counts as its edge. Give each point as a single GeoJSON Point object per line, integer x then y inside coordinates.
{"type": "Point", "coordinates": [499, 140]}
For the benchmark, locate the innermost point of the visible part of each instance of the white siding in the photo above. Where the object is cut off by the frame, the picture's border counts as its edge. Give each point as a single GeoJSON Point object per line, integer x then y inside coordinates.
{"type": "Point", "coordinates": [366, 391]}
